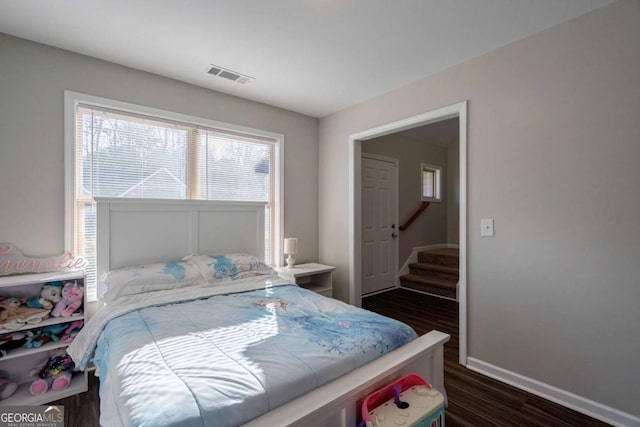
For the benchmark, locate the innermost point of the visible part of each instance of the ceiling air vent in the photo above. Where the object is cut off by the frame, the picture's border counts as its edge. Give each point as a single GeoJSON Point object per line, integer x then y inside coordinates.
{"type": "Point", "coordinates": [229, 75]}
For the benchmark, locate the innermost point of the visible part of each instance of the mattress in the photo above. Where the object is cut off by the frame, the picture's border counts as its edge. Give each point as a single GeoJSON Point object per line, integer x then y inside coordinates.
{"type": "Point", "coordinates": [223, 355]}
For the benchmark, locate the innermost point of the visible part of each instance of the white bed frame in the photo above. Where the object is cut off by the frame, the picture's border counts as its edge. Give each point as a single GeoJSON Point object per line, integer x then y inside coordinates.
{"type": "Point", "coordinates": [141, 231]}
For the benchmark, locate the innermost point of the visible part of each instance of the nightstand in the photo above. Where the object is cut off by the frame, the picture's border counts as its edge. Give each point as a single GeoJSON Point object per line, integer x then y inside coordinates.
{"type": "Point", "coordinates": [312, 276]}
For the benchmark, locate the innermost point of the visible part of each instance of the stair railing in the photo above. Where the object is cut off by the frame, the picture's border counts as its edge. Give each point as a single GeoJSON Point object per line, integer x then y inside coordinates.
{"type": "Point", "coordinates": [415, 216]}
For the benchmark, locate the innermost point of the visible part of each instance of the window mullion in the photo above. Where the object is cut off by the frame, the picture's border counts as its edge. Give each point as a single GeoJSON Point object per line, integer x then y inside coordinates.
{"type": "Point", "coordinates": [193, 164]}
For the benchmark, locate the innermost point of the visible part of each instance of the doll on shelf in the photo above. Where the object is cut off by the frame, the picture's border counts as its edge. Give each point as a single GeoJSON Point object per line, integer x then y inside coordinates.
{"type": "Point", "coordinates": [72, 296]}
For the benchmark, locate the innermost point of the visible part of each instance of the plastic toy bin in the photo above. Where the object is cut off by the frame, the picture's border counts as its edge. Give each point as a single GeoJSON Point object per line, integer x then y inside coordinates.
{"type": "Point", "coordinates": [408, 402]}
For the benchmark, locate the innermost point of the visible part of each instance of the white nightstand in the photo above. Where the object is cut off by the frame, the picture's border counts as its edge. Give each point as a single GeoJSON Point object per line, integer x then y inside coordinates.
{"type": "Point", "coordinates": [312, 276]}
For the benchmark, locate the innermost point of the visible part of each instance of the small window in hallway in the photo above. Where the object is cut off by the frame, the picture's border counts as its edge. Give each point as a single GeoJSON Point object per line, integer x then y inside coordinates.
{"type": "Point", "coordinates": [431, 183]}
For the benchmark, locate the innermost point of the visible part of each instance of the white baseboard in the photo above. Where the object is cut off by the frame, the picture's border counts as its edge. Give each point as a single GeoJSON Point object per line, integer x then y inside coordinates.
{"type": "Point", "coordinates": [381, 291]}
{"type": "Point", "coordinates": [430, 294]}
{"type": "Point", "coordinates": [580, 404]}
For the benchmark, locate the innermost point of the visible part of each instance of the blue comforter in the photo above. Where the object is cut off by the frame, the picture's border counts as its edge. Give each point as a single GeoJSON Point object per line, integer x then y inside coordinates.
{"type": "Point", "coordinates": [226, 359]}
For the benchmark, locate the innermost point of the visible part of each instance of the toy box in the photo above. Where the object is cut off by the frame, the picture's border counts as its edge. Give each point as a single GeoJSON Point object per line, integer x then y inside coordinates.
{"type": "Point", "coordinates": [409, 402]}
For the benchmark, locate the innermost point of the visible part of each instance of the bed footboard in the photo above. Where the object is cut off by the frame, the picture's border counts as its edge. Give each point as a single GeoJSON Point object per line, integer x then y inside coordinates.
{"type": "Point", "coordinates": [337, 403]}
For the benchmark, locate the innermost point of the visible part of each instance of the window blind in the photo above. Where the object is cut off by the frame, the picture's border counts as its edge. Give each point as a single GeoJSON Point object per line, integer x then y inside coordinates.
{"type": "Point", "coordinates": [428, 183]}
{"type": "Point", "coordinates": [121, 154]}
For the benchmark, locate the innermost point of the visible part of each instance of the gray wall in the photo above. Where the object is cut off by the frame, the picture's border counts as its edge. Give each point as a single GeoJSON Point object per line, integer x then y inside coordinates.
{"type": "Point", "coordinates": [453, 191]}
{"type": "Point", "coordinates": [431, 227]}
{"type": "Point", "coordinates": [32, 80]}
{"type": "Point", "coordinates": [553, 149]}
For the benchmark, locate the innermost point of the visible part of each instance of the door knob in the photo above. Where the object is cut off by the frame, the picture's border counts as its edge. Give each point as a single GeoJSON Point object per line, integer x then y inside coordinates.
{"type": "Point", "coordinates": [394, 235]}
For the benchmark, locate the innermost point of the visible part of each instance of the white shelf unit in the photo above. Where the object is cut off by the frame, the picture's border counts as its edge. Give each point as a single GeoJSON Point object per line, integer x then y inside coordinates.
{"type": "Point", "coordinates": [19, 362]}
{"type": "Point", "coordinates": [315, 277]}
{"type": "Point", "coordinates": [23, 396]}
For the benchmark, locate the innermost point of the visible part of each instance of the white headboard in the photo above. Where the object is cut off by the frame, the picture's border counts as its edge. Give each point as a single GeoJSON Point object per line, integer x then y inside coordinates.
{"type": "Point", "coordinates": [142, 231]}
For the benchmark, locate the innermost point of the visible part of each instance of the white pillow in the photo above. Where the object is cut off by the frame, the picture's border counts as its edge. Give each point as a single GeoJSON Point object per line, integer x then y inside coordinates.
{"type": "Point", "coordinates": [149, 278]}
{"type": "Point", "coordinates": [224, 267]}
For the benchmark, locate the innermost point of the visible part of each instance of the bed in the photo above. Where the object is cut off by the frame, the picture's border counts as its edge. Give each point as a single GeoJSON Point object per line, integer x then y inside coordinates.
{"type": "Point", "coordinates": [235, 345]}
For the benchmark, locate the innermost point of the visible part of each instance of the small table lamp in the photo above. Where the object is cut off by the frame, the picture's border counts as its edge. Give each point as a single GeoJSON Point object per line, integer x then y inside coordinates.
{"type": "Point", "coordinates": [290, 249]}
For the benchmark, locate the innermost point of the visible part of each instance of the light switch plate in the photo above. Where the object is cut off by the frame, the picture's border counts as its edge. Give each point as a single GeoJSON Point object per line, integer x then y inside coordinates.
{"type": "Point", "coordinates": [486, 227]}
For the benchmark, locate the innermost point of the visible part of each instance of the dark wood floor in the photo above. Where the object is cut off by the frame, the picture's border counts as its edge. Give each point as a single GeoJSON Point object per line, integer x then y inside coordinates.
{"type": "Point", "coordinates": [82, 410]}
{"type": "Point", "coordinates": [474, 400]}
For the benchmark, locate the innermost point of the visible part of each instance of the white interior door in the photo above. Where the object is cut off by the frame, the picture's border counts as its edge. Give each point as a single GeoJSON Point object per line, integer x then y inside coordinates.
{"type": "Point", "coordinates": [379, 223]}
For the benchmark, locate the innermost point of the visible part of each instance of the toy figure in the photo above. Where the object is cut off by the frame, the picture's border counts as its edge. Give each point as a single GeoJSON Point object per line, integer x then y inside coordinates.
{"type": "Point", "coordinates": [72, 295]}
{"type": "Point", "coordinates": [9, 307]}
{"type": "Point", "coordinates": [14, 315]}
{"type": "Point", "coordinates": [11, 341]}
{"type": "Point", "coordinates": [49, 296]}
{"type": "Point", "coordinates": [71, 332]}
{"type": "Point", "coordinates": [56, 374]}
{"type": "Point", "coordinates": [7, 387]}
{"type": "Point", "coordinates": [46, 335]}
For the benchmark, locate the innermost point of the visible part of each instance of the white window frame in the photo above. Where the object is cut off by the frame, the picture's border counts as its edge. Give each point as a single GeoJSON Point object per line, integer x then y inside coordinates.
{"type": "Point", "coordinates": [71, 101]}
{"type": "Point", "coordinates": [437, 182]}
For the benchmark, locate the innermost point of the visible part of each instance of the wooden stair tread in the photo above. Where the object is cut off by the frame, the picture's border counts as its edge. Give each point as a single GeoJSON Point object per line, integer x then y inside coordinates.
{"type": "Point", "coordinates": [443, 256]}
{"type": "Point", "coordinates": [431, 281]}
{"type": "Point", "coordinates": [444, 251]}
{"type": "Point", "coordinates": [434, 267]}
{"type": "Point", "coordinates": [436, 272]}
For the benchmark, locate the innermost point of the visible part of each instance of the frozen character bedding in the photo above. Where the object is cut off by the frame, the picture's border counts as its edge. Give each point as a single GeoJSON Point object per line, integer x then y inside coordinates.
{"type": "Point", "coordinates": [223, 353]}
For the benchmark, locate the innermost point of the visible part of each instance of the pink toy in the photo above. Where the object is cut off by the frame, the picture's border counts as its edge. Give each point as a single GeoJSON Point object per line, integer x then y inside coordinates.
{"type": "Point", "coordinates": [421, 404]}
{"type": "Point", "coordinates": [41, 386]}
{"type": "Point", "coordinates": [71, 301]}
{"type": "Point", "coordinates": [55, 375]}
{"type": "Point", "coordinates": [7, 387]}
{"type": "Point", "coordinates": [71, 332]}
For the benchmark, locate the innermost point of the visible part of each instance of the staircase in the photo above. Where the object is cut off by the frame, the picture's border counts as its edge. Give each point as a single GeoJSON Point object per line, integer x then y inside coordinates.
{"type": "Point", "coordinates": [436, 273]}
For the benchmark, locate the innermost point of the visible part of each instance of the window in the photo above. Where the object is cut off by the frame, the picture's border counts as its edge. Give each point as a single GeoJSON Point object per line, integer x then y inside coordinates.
{"type": "Point", "coordinates": [123, 150]}
{"type": "Point", "coordinates": [431, 183]}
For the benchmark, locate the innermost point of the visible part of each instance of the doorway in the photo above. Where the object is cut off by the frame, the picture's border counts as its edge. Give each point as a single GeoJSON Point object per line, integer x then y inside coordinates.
{"type": "Point", "coordinates": [355, 207]}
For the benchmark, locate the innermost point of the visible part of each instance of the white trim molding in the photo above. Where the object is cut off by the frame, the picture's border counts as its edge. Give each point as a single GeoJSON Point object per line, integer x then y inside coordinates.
{"type": "Point", "coordinates": [565, 398]}
{"type": "Point", "coordinates": [381, 158]}
{"type": "Point", "coordinates": [71, 101]}
{"type": "Point", "coordinates": [355, 203]}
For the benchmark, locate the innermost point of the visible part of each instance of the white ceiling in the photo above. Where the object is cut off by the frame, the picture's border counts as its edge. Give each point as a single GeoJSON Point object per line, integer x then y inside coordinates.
{"type": "Point", "coordinates": [311, 56]}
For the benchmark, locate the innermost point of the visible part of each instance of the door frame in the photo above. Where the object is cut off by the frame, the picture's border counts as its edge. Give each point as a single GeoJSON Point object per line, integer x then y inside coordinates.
{"type": "Point", "coordinates": [396, 209]}
{"type": "Point", "coordinates": [355, 203]}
